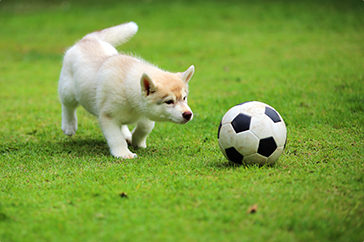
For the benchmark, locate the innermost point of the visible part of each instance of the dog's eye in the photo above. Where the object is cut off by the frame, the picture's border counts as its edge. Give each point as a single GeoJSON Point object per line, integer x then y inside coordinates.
{"type": "Point", "coordinates": [185, 98]}
{"type": "Point", "coordinates": [169, 102]}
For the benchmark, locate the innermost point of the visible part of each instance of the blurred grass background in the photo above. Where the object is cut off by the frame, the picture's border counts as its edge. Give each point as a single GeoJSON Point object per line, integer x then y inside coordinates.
{"type": "Point", "coordinates": [305, 58]}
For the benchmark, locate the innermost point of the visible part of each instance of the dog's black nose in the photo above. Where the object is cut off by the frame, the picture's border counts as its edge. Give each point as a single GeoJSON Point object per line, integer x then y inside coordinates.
{"type": "Point", "coordinates": [187, 115]}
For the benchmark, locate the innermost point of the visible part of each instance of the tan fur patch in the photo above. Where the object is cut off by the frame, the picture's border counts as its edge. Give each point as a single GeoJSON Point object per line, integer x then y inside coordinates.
{"type": "Point", "coordinates": [168, 84]}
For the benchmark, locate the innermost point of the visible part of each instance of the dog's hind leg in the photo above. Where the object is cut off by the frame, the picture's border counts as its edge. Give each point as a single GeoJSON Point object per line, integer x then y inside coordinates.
{"type": "Point", "coordinates": [69, 119]}
{"type": "Point", "coordinates": [126, 133]}
{"type": "Point", "coordinates": [140, 133]}
{"type": "Point", "coordinates": [69, 103]}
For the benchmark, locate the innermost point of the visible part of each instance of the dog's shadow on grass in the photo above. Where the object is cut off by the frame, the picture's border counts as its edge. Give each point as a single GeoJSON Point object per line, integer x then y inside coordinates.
{"type": "Point", "coordinates": [74, 147]}
{"type": "Point", "coordinates": [81, 147]}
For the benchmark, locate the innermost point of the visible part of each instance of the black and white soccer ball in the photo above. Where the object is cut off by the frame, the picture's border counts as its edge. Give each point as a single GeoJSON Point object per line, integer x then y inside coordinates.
{"type": "Point", "coordinates": [252, 133]}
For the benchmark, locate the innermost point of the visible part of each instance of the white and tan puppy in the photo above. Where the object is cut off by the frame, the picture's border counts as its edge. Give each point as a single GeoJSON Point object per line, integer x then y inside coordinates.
{"type": "Point", "coordinates": [120, 90]}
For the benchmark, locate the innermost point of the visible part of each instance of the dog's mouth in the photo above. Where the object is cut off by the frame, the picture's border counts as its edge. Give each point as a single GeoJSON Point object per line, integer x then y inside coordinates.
{"type": "Point", "coordinates": [179, 122]}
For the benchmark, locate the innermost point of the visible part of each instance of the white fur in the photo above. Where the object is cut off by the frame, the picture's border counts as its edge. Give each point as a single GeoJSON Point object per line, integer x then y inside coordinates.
{"type": "Point", "coordinates": [120, 90]}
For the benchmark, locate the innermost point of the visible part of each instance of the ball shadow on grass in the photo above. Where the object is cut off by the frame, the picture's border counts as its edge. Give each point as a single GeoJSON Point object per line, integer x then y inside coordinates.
{"type": "Point", "coordinates": [224, 164]}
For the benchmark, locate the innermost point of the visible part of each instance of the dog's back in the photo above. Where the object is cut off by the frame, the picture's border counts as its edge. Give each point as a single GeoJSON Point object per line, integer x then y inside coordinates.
{"type": "Point", "coordinates": [83, 60]}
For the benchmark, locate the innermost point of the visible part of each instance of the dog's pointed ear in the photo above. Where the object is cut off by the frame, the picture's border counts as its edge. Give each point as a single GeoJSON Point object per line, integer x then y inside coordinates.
{"type": "Point", "coordinates": [187, 75]}
{"type": "Point", "coordinates": [147, 84]}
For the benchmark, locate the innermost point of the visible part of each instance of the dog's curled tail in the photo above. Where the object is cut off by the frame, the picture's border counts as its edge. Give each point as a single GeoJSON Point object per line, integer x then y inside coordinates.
{"type": "Point", "coordinates": [116, 35]}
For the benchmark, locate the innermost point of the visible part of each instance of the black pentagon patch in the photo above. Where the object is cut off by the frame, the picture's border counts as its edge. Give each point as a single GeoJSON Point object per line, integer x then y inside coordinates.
{"type": "Point", "coordinates": [241, 123]}
{"type": "Point", "coordinates": [234, 155]}
{"type": "Point", "coordinates": [267, 146]}
{"type": "Point", "coordinates": [272, 114]}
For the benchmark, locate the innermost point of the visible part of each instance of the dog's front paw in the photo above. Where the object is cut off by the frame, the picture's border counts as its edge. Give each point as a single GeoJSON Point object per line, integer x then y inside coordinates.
{"type": "Point", "coordinates": [128, 156]}
{"type": "Point", "coordinates": [124, 155]}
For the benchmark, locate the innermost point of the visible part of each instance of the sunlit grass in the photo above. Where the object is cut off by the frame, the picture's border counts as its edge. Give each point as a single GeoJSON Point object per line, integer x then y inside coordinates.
{"type": "Point", "coordinates": [305, 59]}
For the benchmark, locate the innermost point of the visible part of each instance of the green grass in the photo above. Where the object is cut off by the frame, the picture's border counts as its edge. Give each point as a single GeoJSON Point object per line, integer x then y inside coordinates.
{"type": "Point", "coordinates": [303, 58]}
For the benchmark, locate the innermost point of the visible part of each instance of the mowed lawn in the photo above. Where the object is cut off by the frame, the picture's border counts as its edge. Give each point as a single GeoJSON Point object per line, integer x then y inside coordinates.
{"type": "Point", "coordinates": [304, 58]}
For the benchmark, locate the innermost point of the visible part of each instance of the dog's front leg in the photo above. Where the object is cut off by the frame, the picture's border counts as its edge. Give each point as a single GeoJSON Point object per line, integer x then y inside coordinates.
{"type": "Point", "coordinates": [114, 137]}
{"type": "Point", "coordinates": [140, 133]}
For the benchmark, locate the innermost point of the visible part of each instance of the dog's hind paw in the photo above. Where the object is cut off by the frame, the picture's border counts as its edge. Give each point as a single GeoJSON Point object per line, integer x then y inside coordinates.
{"type": "Point", "coordinates": [69, 132]}
{"type": "Point", "coordinates": [69, 128]}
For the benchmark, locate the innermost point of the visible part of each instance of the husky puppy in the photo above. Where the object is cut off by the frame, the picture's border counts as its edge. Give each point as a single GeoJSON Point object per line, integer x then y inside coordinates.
{"type": "Point", "coordinates": [120, 90]}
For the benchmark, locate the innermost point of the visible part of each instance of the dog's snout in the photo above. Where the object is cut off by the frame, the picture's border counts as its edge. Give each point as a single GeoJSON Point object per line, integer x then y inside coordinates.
{"type": "Point", "coordinates": [187, 115]}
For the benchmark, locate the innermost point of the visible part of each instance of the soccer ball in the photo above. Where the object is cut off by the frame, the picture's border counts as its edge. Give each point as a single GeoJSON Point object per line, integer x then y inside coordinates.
{"type": "Point", "coordinates": [252, 133]}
